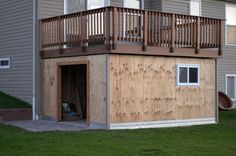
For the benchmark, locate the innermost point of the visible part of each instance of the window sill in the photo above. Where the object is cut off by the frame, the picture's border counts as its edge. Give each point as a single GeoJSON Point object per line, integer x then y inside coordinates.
{"type": "Point", "coordinates": [188, 85]}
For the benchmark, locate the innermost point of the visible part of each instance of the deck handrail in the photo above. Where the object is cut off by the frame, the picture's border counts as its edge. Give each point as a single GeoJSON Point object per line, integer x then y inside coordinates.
{"type": "Point", "coordinates": [110, 25]}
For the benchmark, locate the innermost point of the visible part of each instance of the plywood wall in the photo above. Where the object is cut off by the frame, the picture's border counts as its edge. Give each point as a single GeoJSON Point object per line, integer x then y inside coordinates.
{"type": "Point", "coordinates": [97, 84]}
{"type": "Point", "coordinates": [143, 88]}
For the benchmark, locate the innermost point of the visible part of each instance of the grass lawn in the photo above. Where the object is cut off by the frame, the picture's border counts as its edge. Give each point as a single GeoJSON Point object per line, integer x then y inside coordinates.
{"type": "Point", "coordinates": [198, 140]}
{"type": "Point", "coordinates": [9, 102]}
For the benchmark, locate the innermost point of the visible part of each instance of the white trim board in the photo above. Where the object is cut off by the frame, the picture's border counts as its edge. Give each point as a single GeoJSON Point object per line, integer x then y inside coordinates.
{"type": "Point", "coordinates": [34, 50]}
{"type": "Point", "coordinates": [163, 124]}
{"type": "Point", "coordinates": [226, 84]}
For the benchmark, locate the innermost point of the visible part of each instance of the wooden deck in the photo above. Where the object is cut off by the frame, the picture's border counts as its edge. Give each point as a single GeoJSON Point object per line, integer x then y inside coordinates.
{"type": "Point", "coordinates": [130, 31]}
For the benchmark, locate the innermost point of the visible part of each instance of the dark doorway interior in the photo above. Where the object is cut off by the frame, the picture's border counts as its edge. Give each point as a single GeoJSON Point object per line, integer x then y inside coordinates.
{"type": "Point", "coordinates": [74, 92]}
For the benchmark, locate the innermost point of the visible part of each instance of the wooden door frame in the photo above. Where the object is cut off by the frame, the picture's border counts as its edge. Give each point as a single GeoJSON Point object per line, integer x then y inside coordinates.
{"type": "Point", "coordinates": [66, 63]}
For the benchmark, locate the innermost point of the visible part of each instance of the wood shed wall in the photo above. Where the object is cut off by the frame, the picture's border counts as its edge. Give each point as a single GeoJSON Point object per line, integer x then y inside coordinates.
{"type": "Point", "coordinates": [143, 88]}
{"type": "Point", "coordinates": [97, 82]}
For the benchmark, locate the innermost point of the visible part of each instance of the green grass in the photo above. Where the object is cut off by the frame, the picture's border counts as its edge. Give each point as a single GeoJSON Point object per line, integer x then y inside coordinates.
{"type": "Point", "coordinates": [198, 140]}
{"type": "Point", "coordinates": [9, 102]}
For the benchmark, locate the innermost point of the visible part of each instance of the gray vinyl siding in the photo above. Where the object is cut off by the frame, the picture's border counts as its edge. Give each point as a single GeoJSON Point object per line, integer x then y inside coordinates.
{"type": "Point", "coordinates": [147, 4]}
{"type": "Point", "coordinates": [156, 5]}
{"type": "Point", "coordinates": [16, 42]}
{"type": "Point", "coordinates": [50, 8]}
{"type": "Point", "coordinates": [227, 64]}
{"type": "Point", "coordinates": [176, 6]}
{"type": "Point", "coordinates": [213, 9]}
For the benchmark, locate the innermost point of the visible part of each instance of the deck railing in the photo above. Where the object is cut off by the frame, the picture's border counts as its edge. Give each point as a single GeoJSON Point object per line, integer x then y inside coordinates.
{"type": "Point", "coordinates": [111, 25]}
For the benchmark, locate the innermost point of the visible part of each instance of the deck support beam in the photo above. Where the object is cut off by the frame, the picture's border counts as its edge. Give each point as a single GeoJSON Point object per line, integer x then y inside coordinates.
{"type": "Point", "coordinates": [129, 50]}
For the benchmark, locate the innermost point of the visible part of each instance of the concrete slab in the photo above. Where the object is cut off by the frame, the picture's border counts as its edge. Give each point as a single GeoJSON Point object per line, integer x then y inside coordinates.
{"type": "Point", "coordinates": [47, 126]}
{"type": "Point", "coordinates": [234, 106]}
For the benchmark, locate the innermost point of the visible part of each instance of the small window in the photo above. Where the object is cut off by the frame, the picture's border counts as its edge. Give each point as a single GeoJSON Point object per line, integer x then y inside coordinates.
{"type": "Point", "coordinates": [135, 4]}
{"type": "Point", "coordinates": [4, 63]}
{"type": "Point", "coordinates": [195, 7]}
{"type": "Point", "coordinates": [72, 6]}
{"type": "Point", "coordinates": [231, 86]}
{"type": "Point", "coordinates": [231, 24]}
{"type": "Point", "coordinates": [94, 4]}
{"type": "Point", "coordinates": [188, 75]}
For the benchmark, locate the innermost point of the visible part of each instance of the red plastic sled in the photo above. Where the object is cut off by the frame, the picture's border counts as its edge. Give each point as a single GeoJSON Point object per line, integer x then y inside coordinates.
{"type": "Point", "coordinates": [224, 102]}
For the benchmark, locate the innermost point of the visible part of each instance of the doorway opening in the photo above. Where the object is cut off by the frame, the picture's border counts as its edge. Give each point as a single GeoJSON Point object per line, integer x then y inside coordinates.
{"type": "Point", "coordinates": [74, 93]}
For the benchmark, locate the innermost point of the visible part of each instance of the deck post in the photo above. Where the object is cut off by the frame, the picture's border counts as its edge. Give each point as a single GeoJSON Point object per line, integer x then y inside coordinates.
{"type": "Point", "coordinates": [41, 34]}
{"type": "Point", "coordinates": [220, 48]}
{"type": "Point", "coordinates": [61, 32]}
{"type": "Point", "coordinates": [172, 47]}
{"type": "Point", "coordinates": [145, 30]}
{"type": "Point", "coordinates": [83, 31]}
{"type": "Point", "coordinates": [198, 35]}
{"type": "Point", "coordinates": [114, 28]}
{"type": "Point", "coordinates": [108, 27]}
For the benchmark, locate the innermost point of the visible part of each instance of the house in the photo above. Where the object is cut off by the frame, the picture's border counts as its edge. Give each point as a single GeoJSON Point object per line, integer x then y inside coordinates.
{"type": "Point", "coordinates": [123, 64]}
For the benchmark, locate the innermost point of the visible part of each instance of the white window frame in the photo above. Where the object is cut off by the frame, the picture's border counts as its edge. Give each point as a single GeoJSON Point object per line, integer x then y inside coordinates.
{"type": "Point", "coordinates": [226, 41]}
{"type": "Point", "coordinates": [200, 4]}
{"type": "Point", "coordinates": [178, 66]}
{"type": "Point", "coordinates": [9, 64]}
{"type": "Point", "coordinates": [226, 84]}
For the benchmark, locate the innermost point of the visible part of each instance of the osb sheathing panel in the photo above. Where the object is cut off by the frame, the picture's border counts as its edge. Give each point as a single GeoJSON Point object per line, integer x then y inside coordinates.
{"type": "Point", "coordinates": [143, 88]}
{"type": "Point", "coordinates": [97, 85]}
